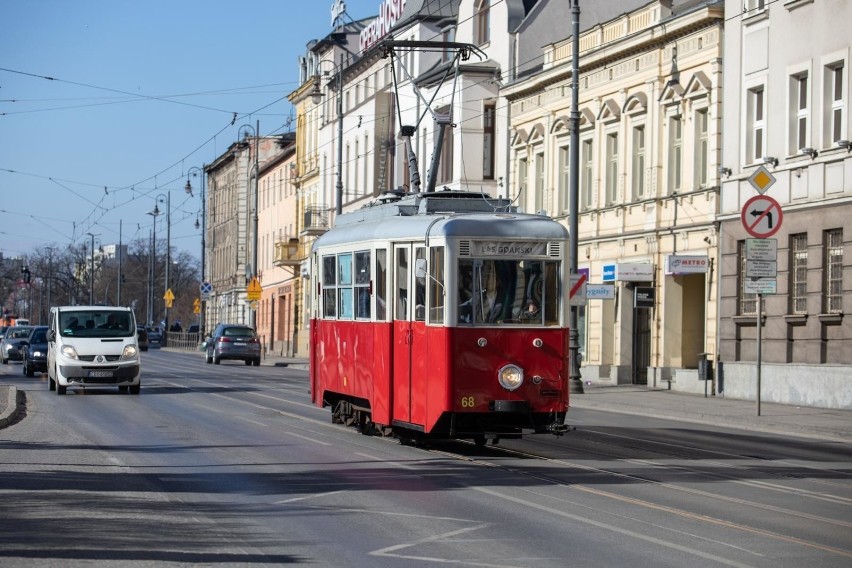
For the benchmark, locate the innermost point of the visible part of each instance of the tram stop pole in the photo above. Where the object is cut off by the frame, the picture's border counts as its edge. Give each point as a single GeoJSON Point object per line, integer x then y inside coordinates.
{"type": "Point", "coordinates": [575, 379]}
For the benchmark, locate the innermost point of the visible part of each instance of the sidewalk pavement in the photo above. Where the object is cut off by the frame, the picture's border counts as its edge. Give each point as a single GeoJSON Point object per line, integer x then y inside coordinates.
{"type": "Point", "coordinates": [804, 421]}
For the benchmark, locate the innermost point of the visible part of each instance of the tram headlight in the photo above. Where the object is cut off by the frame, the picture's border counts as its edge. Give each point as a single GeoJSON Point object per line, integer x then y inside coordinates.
{"type": "Point", "coordinates": [511, 377]}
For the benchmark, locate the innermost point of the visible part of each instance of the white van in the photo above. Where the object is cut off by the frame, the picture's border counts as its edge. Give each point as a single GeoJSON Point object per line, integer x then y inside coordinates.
{"type": "Point", "coordinates": [92, 346]}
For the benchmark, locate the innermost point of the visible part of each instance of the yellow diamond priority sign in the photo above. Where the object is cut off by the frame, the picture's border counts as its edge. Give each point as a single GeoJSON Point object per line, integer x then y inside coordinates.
{"type": "Point", "coordinates": [761, 180]}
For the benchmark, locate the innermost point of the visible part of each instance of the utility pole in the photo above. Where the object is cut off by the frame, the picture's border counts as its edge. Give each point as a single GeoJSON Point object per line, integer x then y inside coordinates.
{"type": "Point", "coordinates": [575, 380]}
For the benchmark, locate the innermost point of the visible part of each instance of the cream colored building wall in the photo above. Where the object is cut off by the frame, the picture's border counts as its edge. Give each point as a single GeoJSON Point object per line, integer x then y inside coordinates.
{"type": "Point", "coordinates": [625, 83]}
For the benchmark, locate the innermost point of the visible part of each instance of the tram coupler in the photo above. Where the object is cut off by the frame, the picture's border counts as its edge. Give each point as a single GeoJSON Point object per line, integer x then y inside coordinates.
{"type": "Point", "coordinates": [557, 428]}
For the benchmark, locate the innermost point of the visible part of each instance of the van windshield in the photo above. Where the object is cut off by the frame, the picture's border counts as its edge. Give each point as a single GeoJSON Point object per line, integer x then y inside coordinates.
{"type": "Point", "coordinates": [96, 323]}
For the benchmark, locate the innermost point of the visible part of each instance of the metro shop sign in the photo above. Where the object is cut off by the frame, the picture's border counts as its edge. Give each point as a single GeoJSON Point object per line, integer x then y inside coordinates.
{"type": "Point", "coordinates": [683, 264]}
{"type": "Point", "coordinates": [390, 12]}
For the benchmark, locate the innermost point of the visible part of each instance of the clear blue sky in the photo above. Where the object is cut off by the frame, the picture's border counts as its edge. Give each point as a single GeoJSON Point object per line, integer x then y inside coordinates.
{"type": "Point", "coordinates": [141, 92]}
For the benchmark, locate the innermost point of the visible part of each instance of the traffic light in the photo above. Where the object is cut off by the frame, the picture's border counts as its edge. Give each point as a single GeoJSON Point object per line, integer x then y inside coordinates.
{"type": "Point", "coordinates": [25, 274]}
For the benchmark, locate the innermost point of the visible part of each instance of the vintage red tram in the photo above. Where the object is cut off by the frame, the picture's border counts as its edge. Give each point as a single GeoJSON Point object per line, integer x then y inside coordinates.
{"type": "Point", "coordinates": [441, 314]}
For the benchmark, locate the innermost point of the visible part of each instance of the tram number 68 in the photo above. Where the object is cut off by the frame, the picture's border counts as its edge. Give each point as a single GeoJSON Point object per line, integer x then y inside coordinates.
{"type": "Point", "coordinates": [467, 402]}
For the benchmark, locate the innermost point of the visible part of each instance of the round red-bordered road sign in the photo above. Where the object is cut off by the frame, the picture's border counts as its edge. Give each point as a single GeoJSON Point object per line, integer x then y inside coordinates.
{"type": "Point", "coordinates": [761, 216]}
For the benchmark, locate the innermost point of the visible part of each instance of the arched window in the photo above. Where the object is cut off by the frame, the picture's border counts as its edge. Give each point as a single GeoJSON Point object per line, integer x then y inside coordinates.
{"type": "Point", "coordinates": [483, 21]}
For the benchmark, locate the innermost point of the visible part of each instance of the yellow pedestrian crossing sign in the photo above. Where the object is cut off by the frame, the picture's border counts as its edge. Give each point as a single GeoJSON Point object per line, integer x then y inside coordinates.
{"type": "Point", "coordinates": [169, 297]}
{"type": "Point", "coordinates": [196, 306]}
{"type": "Point", "coordinates": [253, 290]}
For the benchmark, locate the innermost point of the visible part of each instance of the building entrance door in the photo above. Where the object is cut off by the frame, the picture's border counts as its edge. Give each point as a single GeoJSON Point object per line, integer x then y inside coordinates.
{"type": "Point", "coordinates": [641, 345]}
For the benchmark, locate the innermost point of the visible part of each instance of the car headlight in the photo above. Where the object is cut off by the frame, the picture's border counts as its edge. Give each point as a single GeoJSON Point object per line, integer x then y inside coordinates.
{"type": "Point", "coordinates": [38, 353]}
{"type": "Point", "coordinates": [511, 377]}
{"type": "Point", "coordinates": [69, 352]}
{"type": "Point", "coordinates": [129, 352]}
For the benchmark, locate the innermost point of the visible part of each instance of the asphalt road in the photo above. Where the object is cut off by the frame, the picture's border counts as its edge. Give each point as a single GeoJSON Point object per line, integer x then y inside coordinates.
{"type": "Point", "coordinates": [232, 465]}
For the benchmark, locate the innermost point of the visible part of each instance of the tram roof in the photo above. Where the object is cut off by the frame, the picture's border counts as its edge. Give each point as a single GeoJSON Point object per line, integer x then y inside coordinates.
{"type": "Point", "coordinates": [412, 217]}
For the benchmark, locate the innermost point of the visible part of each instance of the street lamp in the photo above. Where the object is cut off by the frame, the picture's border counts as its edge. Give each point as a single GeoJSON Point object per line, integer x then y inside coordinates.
{"type": "Point", "coordinates": [253, 271]}
{"type": "Point", "coordinates": [92, 273]}
{"type": "Point", "coordinates": [316, 98]}
{"type": "Point", "coordinates": [153, 263]}
{"type": "Point", "coordinates": [49, 270]}
{"type": "Point", "coordinates": [195, 170]}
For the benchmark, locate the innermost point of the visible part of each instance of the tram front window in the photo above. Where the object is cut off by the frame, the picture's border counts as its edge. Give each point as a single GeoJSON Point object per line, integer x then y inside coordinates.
{"type": "Point", "coordinates": [508, 291]}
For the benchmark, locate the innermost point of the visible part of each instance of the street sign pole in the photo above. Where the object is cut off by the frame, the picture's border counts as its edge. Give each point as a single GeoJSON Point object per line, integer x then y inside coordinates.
{"type": "Point", "coordinates": [759, 326]}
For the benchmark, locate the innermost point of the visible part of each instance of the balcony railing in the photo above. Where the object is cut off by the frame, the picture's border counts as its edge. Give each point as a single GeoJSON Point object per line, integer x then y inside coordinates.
{"type": "Point", "coordinates": [316, 221]}
{"type": "Point", "coordinates": [289, 252]}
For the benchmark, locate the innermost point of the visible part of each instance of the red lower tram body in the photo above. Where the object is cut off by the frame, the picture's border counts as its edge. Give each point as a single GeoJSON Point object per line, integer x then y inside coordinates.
{"type": "Point", "coordinates": [422, 381]}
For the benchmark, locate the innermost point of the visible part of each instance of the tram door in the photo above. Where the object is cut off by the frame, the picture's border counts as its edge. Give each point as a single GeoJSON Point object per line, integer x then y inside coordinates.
{"type": "Point", "coordinates": [409, 338]}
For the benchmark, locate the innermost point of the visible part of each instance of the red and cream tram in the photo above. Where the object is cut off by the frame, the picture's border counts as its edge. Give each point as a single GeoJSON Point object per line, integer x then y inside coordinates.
{"type": "Point", "coordinates": [441, 315]}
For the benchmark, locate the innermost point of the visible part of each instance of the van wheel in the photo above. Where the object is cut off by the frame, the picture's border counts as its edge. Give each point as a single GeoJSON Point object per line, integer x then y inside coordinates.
{"type": "Point", "coordinates": [60, 389]}
{"type": "Point", "coordinates": [216, 360]}
{"type": "Point", "coordinates": [257, 362]}
{"type": "Point", "coordinates": [134, 389]}
{"type": "Point", "coordinates": [248, 362]}
{"type": "Point", "coordinates": [51, 384]}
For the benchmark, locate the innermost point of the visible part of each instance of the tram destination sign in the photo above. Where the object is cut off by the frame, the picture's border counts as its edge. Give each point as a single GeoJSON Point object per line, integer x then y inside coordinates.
{"type": "Point", "coordinates": [511, 249]}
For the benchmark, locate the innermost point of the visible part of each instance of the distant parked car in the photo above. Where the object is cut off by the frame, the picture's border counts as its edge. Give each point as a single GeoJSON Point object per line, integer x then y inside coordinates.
{"type": "Point", "coordinates": [142, 337]}
{"type": "Point", "coordinates": [35, 351]}
{"type": "Point", "coordinates": [193, 329]}
{"type": "Point", "coordinates": [233, 341]}
{"type": "Point", "coordinates": [10, 345]}
{"type": "Point", "coordinates": [155, 336]}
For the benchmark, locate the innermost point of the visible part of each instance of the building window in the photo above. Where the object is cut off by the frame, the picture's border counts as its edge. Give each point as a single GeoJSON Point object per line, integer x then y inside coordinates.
{"type": "Point", "coordinates": [482, 14]}
{"type": "Point", "coordinates": [747, 301]}
{"type": "Point", "coordinates": [448, 36]}
{"type": "Point", "coordinates": [638, 173]}
{"type": "Point", "coordinates": [563, 178]}
{"type": "Point", "coordinates": [523, 172]}
{"type": "Point", "coordinates": [446, 165]}
{"type": "Point", "coordinates": [675, 152]}
{"type": "Point", "coordinates": [798, 112]}
{"type": "Point", "coordinates": [799, 273]}
{"type": "Point", "coordinates": [702, 147]}
{"type": "Point", "coordinates": [754, 144]}
{"type": "Point", "coordinates": [539, 182]}
{"type": "Point", "coordinates": [611, 168]}
{"type": "Point", "coordinates": [586, 180]}
{"type": "Point", "coordinates": [488, 141]}
{"type": "Point", "coordinates": [835, 103]}
{"type": "Point", "coordinates": [833, 271]}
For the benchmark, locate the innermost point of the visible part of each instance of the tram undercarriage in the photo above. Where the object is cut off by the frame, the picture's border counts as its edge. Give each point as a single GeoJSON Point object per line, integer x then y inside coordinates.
{"type": "Point", "coordinates": [509, 423]}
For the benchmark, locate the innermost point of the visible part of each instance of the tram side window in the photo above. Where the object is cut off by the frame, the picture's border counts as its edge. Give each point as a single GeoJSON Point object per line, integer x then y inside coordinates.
{"type": "Point", "coordinates": [420, 289]}
{"type": "Point", "coordinates": [346, 304]}
{"type": "Point", "coordinates": [329, 290]}
{"type": "Point", "coordinates": [381, 284]}
{"type": "Point", "coordinates": [436, 285]}
{"type": "Point", "coordinates": [401, 312]}
{"type": "Point", "coordinates": [362, 285]}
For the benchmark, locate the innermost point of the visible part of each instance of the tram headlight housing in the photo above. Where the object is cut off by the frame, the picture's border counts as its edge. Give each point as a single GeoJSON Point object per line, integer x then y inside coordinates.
{"type": "Point", "coordinates": [511, 377]}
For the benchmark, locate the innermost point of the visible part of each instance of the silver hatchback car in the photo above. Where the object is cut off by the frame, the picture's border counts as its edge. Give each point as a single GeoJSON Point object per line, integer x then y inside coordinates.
{"type": "Point", "coordinates": [233, 341]}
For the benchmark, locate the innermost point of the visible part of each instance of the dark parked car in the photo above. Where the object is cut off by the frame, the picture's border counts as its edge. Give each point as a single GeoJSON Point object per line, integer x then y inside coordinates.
{"type": "Point", "coordinates": [233, 341]}
{"type": "Point", "coordinates": [10, 345]}
{"type": "Point", "coordinates": [155, 336]}
{"type": "Point", "coordinates": [35, 351]}
{"type": "Point", "coordinates": [142, 337]}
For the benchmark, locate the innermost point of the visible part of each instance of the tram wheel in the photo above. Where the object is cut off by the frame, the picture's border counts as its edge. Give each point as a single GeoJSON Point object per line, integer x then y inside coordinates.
{"type": "Point", "coordinates": [479, 441]}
